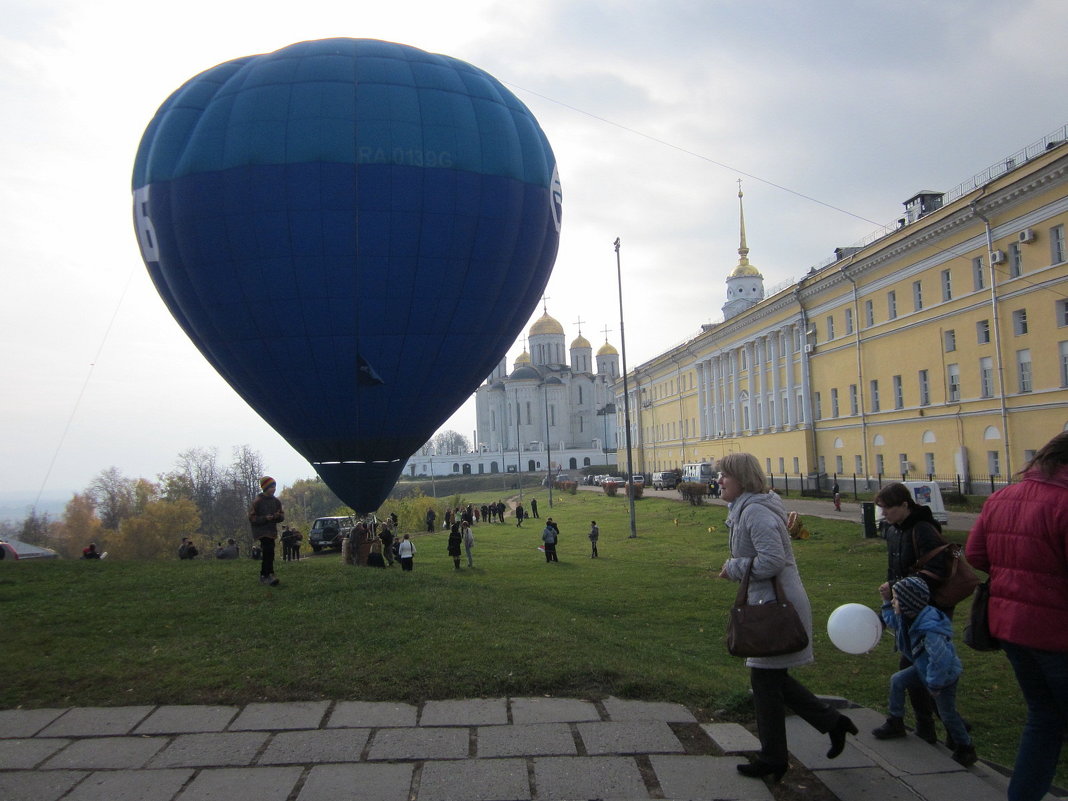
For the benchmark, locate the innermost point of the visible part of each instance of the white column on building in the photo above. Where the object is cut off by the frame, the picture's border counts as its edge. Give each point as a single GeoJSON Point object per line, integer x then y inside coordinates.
{"type": "Point", "coordinates": [712, 395]}
{"type": "Point", "coordinates": [776, 390]}
{"type": "Point", "coordinates": [702, 400]}
{"type": "Point", "coordinates": [791, 416]}
{"type": "Point", "coordinates": [759, 406]}
{"type": "Point", "coordinates": [722, 398]}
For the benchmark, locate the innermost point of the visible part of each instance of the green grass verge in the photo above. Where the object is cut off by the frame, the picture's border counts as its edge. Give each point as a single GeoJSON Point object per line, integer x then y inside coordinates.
{"type": "Point", "coordinates": [646, 620]}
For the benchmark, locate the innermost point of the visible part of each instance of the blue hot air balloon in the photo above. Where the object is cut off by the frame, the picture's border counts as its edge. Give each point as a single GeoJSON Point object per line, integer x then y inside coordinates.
{"type": "Point", "coordinates": [352, 232]}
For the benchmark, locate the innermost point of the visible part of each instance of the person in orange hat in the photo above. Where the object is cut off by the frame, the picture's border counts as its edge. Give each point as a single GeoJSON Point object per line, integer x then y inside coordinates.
{"type": "Point", "coordinates": [265, 514]}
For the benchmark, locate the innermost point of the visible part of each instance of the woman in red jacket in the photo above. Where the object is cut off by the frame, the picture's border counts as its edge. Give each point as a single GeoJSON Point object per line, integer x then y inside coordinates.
{"type": "Point", "coordinates": [1021, 540]}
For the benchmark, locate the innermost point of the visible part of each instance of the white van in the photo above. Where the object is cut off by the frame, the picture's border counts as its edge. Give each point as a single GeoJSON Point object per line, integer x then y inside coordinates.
{"type": "Point", "coordinates": [925, 493]}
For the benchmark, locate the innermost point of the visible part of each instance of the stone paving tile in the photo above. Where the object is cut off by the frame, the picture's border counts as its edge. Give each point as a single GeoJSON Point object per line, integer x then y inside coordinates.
{"type": "Point", "coordinates": [220, 749]}
{"type": "Point", "coordinates": [731, 738]}
{"type": "Point", "coordinates": [360, 782]}
{"type": "Point", "coordinates": [810, 747]}
{"type": "Point", "coordinates": [372, 715]}
{"type": "Point", "coordinates": [702, 777]}
{"type": "Point", "coordinates": [475, 780]}
{"type": "Point", "coordinates": [552, 710]}
{"type": "Point", "coordinates": [282, 715]}
{"type": "Point", "coordinates": [621, 710]}
{"type": "Point", "coordinates": [318, 745]}
{"type": "Point", "coordinates": [26, 722]}
{"type": "Point", "coordinates": [861, 783]}
{"type": "Point", "coordinates": [534, 739]}
{"type": "Point", "coordinates": [107, 753]}
{"type": "Point", "coordinates": [641, 737]}
{"type": "Point", "coordinates": [467, 712]}
{"type": "Point", "coordinates": [187, 719]}
{"type": "Point", "coordinates": [962, 785]}
{"type": "Point", "coordinates": [239, 784]}
{"type": "Point", "coordinates": [28, 785]}
{"type": "Point", "coordinates": [421, 743]}
{"type": "Point", "coordinates": [604, 778]}
{"type": "Point", "coordinates": [96, 721]}
{"type": "Point", "coordinates": [130, 785]}
{"type": "Point", "coordinates": [25, 754]}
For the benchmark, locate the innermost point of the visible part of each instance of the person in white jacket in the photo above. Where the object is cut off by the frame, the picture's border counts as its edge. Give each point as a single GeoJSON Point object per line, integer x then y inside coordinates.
{"type": "Point", "coordinates": [406, 552]}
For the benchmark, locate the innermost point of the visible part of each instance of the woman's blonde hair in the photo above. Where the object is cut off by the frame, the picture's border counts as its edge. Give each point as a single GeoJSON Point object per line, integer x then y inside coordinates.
{"type": "Point", "coordinates": [745, 468]}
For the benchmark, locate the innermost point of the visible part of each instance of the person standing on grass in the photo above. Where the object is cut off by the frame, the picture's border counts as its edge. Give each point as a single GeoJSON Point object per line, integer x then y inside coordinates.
{"type": "Point", "coordinates": [455, 541]}
{"type": "Point", "coordinates": [595, 534]}
{"type": "Point", "coordinates": [1021, 540]}
{"type": "Point", "coordinates": [534, 507]}
{"type": "Point", "coordinates": [549, 536]}
{"type": "Point", "coordinates": [406, 552]}
{"type": "Point", "coordinates": [519, 515]}
{"type": "Point", "coordinates": [836, 492]}
{"type": "Point", "coordinates": [385, 533]}
{"type": "Point", "coordinates": [469, 543]}
{"type": "Point", "coordinates": [264, 515]}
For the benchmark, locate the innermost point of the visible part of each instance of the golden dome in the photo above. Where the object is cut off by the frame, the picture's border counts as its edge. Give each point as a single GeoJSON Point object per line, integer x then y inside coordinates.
{"type": "Point", "coordinates": [523, 358]}
{"type": "Point", "coordinates": [546, 325]}
{"type": "Point", "coordinates": [580, 342]}
{"type": "Point", "coordinates": [607, 350]}
{"type": "Point", "coordinates": [745, 269]}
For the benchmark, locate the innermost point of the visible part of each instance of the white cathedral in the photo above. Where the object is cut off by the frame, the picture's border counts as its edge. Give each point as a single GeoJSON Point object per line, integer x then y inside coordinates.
{"type": "Point", "coordinates": [548, 413]}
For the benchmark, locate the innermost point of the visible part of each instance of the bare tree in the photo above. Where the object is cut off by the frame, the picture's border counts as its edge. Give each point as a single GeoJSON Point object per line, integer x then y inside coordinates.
{"type": "Point", "coordinates": [114, 495]}
{"type": "Point", "coordinates": [450, 443]}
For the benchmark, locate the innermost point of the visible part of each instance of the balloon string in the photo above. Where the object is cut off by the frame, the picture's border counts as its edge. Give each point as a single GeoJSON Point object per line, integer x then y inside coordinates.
{"type": "Point", "coordinates": [81, 394]}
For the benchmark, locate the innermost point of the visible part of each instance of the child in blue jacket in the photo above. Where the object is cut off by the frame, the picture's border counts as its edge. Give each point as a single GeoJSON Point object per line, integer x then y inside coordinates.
{"type": "Point", "coordinates": [924, 635]}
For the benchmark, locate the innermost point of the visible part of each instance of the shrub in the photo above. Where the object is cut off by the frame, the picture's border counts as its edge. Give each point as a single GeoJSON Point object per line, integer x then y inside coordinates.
{"type": "Point", "coordinates": [610, 488]}
{"type": "Point", "coordinates": [635, 490]}
{"type": "Point", "coordinates": [570, 487]}
{"type": "Point", "coordinates": [693, 491]}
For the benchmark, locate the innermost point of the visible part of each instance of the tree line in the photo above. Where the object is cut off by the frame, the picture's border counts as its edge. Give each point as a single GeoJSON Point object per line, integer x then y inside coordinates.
{"type": "Point", "coordinates": [200, 498]}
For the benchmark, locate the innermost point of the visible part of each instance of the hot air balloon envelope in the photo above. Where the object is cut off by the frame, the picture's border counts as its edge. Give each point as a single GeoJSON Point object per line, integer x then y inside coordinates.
{"type": "Point", "coordinates": [353, 233]}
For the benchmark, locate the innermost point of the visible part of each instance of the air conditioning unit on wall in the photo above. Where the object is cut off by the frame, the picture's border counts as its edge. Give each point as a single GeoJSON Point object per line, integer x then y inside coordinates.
{"type": "Point", "coordinates": [997, 257]}
{"type": "Point", "coordinates": [809, 348]}
{"type": "Point", "coordinates": [1027, 235]}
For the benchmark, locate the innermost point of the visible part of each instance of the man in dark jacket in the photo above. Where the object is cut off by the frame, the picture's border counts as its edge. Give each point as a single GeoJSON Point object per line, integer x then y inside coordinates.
{"type": "Point", "coordinates": [264, 515]}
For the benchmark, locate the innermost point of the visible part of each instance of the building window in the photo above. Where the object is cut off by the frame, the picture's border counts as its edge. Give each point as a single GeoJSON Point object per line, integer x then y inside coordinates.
{"type": "Point", "coordinates": [993, 462]}
{"type": "Point", "coordinates": [1019, 322]}
{"type": "Point", "coordinates": [800, 410]}
{"type": "Point", "coordinates": [1023, 370]}
{"type": "Point", "coordinates": [903, 464]}
{"type": "Point", "coordinates": [947, 285]}
{"type": "Point", "coordinates": [528, 413]}
{"type": "Point", "coordinates": [891, 304]}
{"type": "Point", "coordinates": [839, 466]}
{"type": "Point", "coordinates": [950, 338]}
{"type": "Point", "coordinates": [745, 359]}
{"type": "Point", "coordinates": [849, 320]}
{"type": "Point", "coordinates": [1056, 244]}
{"type": "Point", "coordinates": [1064, 363]}
{"type": "Point", "coordinates": [1062, 313]}
{"type": "Point", "coordinates": [917, 295]}
{"type": "Point", "coordinates": [797, 465]}
{"type": "Point", "coordinates": [986, 377]}
{"type": "Point", "coordinates": [858, 465]}
{"type": "Point", "coordinates": [830, 328]}
{"type": "Point", "coordinates": [819, 407]}
{"type": "Point", "coordinates": [899, 393]}
{"type": "Point", "coordinates": [874, 384]}
{"type": "Point", "coordinates": [925, 389]}
{"type": "Point", "coordinates": [880, 465]}
{"type": "Point", "coordinates": [854, 406]}
{"type": "Point", "coordinates": [953, 372]}
{"type": "Point", "coordinates": [929, 464]}
{"type": "Point", "coordinates": [982, 332]}
{"type": "Point", "coordinates": [821, 464]}
{"type": "Point", "coordinates": [834, 401]}
{"type": "Point", "coordinates": [978, 276]}
{"type": "Point", "coordinates": [1015, 260]}
{"type": "Point", "coordinates": [869, 313]}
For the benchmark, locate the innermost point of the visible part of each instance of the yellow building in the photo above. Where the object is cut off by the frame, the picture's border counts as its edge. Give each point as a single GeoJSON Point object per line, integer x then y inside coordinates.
{"type": "Point", "coordinates": [938, 347]}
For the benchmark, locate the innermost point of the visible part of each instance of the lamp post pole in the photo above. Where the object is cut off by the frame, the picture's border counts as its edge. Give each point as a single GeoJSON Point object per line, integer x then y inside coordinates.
{"type": "Point", "coordinates": [518, 448]}
{"type": "Point", "coordinates": [626, 395]}
{"type": "Point", "coordinates": [548, 451]}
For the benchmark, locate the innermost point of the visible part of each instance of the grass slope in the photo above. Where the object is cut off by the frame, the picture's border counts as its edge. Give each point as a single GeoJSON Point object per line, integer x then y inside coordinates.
{"type": "Point", "coordinates": [646, 620]}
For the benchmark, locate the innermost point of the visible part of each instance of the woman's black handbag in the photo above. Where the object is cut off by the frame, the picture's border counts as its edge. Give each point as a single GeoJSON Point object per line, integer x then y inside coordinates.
{"type": "Point", "coordinates": [769, 629]}
{"type": "Point", "coordinates": [977, 630]}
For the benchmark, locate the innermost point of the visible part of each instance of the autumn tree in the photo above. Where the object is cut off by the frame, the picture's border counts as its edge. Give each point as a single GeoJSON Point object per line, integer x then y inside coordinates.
{"type": "Point", "coordinates": [114, 496]}
{"type": "Point", "coordinates": [79, 526]}
{"type": "Point", "coordinates": [157, 531]}
{"type": "Point", "coordinates": [309, 498]}
{"type": "Point", "coordinates": [451, 443]}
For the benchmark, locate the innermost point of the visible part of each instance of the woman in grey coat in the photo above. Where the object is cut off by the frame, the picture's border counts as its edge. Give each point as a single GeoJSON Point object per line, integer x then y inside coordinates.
{"type": "Point", "coordinates": [758, 537]}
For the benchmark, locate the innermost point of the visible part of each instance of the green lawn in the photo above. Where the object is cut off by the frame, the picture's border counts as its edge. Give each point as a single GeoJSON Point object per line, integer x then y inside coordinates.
{"type": "Point", "coordinates": [646, 620]}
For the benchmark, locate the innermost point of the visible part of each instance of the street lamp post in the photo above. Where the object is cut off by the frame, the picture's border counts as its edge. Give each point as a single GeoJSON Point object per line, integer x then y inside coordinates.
{"type": "Point", "coordinates": [548, 451]}
{"type": "Point", "coordinates": [626, 395]}
{"type": "Point", "coordinates": [518, 448]}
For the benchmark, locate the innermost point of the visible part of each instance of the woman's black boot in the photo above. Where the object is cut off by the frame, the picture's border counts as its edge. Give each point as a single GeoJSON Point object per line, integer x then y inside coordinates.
{"type": "Point", "coordinates": [838, 734]}
{"type": "Point", "coordinates": [758, 769]}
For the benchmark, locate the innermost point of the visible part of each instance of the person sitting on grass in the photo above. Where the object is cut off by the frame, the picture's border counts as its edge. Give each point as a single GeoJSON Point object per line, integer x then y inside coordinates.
{"type": "Point", "coordinates": [924, 636]}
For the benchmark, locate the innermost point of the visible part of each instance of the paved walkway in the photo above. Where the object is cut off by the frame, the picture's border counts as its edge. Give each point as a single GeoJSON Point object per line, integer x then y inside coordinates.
{"type": "Point", "coordinates": [477, 750]}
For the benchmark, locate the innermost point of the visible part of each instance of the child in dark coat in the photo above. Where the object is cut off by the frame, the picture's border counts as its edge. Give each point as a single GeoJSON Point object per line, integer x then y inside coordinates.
{"type": "Point", "coordinates": [924, 636]}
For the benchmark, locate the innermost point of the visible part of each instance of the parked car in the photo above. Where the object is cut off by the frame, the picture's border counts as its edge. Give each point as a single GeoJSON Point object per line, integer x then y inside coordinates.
{"type": "Point", "coordinates": [638, 479]}
{"type": "Point", "coordinates": [328, 532]}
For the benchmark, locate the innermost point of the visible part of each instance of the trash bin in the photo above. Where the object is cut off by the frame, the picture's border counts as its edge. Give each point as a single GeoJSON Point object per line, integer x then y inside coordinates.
{"type": "Point", "coordinates": [867, 517]}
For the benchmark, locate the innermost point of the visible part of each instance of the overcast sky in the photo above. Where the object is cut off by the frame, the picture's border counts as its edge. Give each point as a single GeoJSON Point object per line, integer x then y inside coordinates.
{"type": "Point", "coordinates": [832, 113]}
